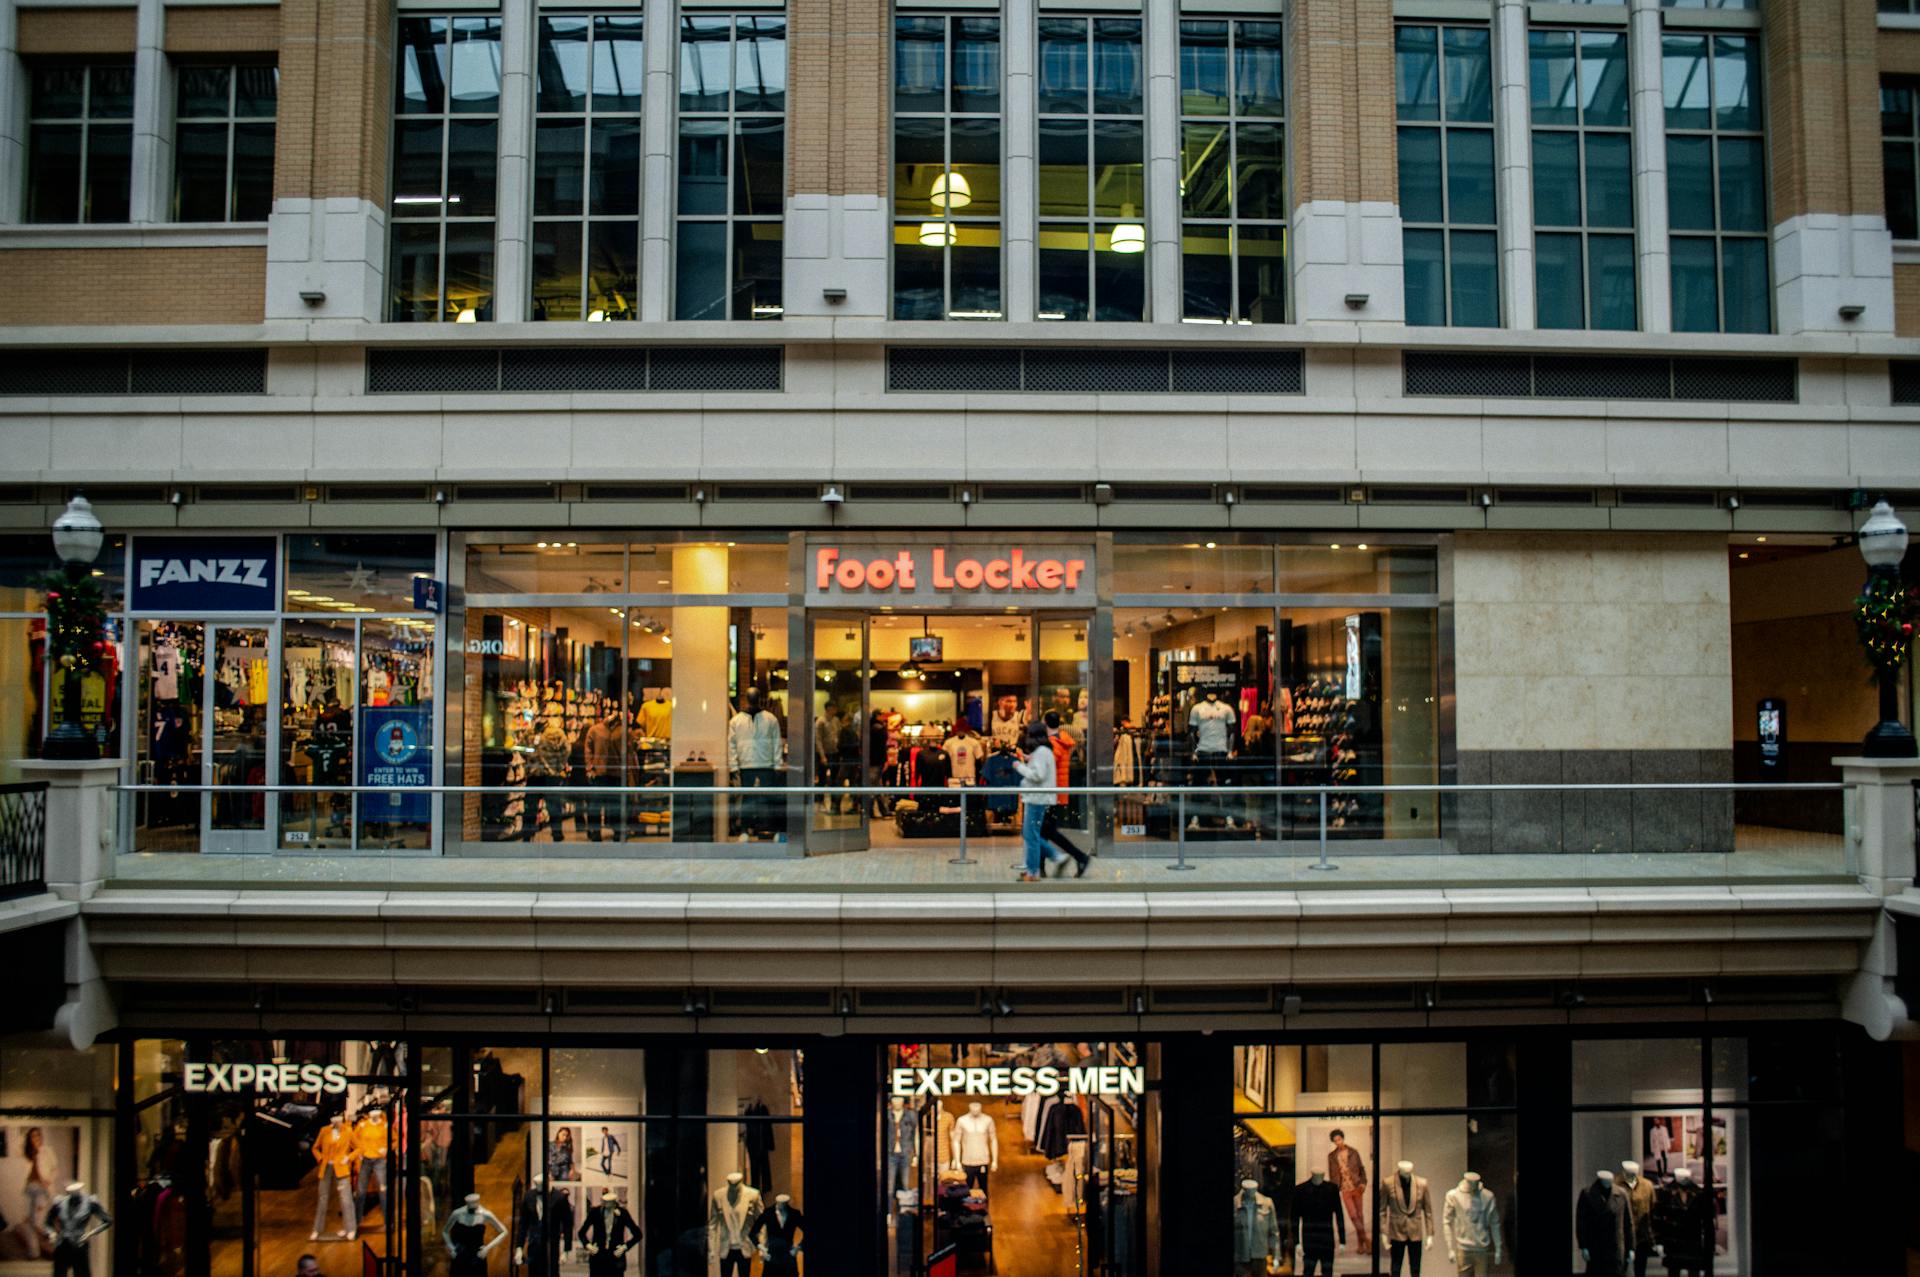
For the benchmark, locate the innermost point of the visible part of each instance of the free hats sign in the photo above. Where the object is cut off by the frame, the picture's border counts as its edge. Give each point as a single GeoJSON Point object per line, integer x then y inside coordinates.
{"type": "Point", "coordinates": [1032, 575]}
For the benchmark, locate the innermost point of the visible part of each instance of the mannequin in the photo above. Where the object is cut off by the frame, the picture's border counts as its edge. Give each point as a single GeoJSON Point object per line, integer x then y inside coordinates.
{"type": "Point", "coordinates": [333, 1148]}
{"type": "Point", "coordinates": [1406, 1217]}
{"type": "Point", "coordinates": [753, 759]}
{"type": "Point", "coordinates": [70, 1225]}
{"type": "Point", "coordinates": [1470, 1222]}
{"type": "Point", "coordinates": [1685, 1224]}
{"type": "Point", "coordinates": [1639, 1191]}
{"type": "Point", "coordinates": [1603, 1226]}
{"type": "Point", "coordinates": [544, 1228]}
{"type": "Point", "coordinates": [901, 1140]}
{"type": "Point", "coordinates": [466, 1237]}
{"type": "Point", "coordinates": [607, 1235]}
{"type": "Point", "coordinates": [370, 1143]}
{"type": "Point", "coordinates": [1256, 1231]}
{"type": "Point", "coordinates": [736, 1207]}
{"type": "Point", "coordinates": [976, 1146]}
{"type": "Point", "coordinates": [778, 1232]}
{"type": "Point", "coordinates": [1317, 1221]}
{"type": "Point", "coordinates": [1211, 722]}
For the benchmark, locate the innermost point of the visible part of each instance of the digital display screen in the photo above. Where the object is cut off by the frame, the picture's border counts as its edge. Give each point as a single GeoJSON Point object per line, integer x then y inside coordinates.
{"type": "Point", "coordinates": [926, 648]}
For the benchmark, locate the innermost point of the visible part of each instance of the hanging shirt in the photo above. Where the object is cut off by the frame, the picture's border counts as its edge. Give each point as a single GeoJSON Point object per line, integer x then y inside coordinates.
{"type": "Point", "coordinates": [166, 672]}
{"type": "Point", "coordinates": [963, 752]}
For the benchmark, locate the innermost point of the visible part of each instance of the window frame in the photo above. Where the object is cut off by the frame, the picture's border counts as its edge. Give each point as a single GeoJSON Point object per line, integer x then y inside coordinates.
{"type": "Point", "coordinates": [1911, 140]}
{"type": "Point", "coordinates": [1580, 130]}
{"type": "Point", "coordinates": [1443, 126]}
{"type": "Point", "coordinates": [948, 116]}
{"type": "Point", "coordinates": [1230, 120]}
{"type": "Point", "coordinates": [733, 118]}
{"type": "Point", "coordinates": [1713, 133]}
{"type": "Point", "coordinates": [232, 119]}
{"type": "Point", "coordinates": [586, 219]}
{"type": "Point", "coordinates": [86, 122]}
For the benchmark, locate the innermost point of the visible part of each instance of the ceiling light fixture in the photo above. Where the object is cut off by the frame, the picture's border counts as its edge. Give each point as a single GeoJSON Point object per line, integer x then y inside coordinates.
{"type": "Point", "coordinates": [1128, 236]}
{"type": "Point", "coordinates": [935, 235]}
{"type": "Point", "coordinates": [950, 191]}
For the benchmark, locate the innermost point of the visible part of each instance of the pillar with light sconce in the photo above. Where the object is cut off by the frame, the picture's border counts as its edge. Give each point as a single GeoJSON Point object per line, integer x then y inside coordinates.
{"type": "Point", "coordinates": [1884, 616]}
{"type": "Point", "coordinates": [76, 617]}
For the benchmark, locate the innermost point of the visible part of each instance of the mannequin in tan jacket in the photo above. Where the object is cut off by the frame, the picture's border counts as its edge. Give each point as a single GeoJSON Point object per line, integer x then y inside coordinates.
{"type": "Point", "coordinates": [1406, 1217]}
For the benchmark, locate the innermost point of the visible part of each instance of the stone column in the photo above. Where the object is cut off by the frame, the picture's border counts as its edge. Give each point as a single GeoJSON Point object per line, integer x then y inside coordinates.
{"type": "Point", "coordinates": [1653, 259]}
{"type": "Point", "coordinates": [1513, 163]}
{"type": "Point", "coordinates": [80, 822]}
{"type": "Point", "coordinates": [838, 121]}
{"type": "Point", "coordinates": [656, 159]}
{"type": "Point", "coordinates": [151, 195]}
{"type": "Point", "coordinates": [513, 256]}
{"type": "Point", "coordinates": [1346, 233]}
{"type": "Point", "coordinates": [1163, 163]}
{"type": "Point", "coordinates": [1019, 185]}
{"type": "Point", "coordinates": [1880, 849]}
{"type": "Point", "coordinates": [13, 117]}
{"type": "Point", "coordinates": [1831, 246]}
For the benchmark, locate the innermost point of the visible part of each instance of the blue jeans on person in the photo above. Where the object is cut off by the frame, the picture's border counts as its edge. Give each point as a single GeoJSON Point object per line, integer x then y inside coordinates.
{"type": "Point", "coordinates": [1031, 816]}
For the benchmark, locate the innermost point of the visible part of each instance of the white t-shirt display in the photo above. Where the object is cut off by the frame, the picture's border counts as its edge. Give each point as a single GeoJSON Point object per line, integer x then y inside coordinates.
{"type": "Point", "coordinates": [1212, 723]}
{"type": "Point", "coordinates": [964, 751]}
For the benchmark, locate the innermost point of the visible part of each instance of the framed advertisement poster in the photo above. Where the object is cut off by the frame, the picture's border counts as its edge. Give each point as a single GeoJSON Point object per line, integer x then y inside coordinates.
{"type": "Point", "coordinates": [38, 1159]}
{"type": "Point", "coordinates": [1666, 1137]}
{"type": "Point", "coordinates": [1254, 1084]}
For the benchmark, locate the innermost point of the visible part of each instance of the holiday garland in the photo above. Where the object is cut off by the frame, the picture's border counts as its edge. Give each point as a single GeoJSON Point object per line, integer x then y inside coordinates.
{"type": "Point", "coordinates": [76, 621]}
{"type": "Point", "coordinates": [1884, 615]}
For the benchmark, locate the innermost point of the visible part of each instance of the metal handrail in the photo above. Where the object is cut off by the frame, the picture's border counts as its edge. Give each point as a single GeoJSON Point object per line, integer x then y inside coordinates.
{"type": "Point", "coordinates": [23, 839]}
{"type": "Point", "coordinates": [1828, 786]}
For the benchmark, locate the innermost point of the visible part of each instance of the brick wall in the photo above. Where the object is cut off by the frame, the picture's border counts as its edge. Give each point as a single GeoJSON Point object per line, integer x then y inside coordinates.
{"type": "Point", "coordinates": [133, 286]}
{"type": "Point", "coordinates": [837, 85]}
{"type": "Point", "coordinates": [1342, 130]}
{"type": "Point", "coordinates": [1906, 301]}
{"type": "Point", "coordinates": [51, 32]}
{"type": "Point", "coordinates": [234, 29]}
{"type": "Point", "coordinates": [336, 73]}
{"type": "Point", "coordinates": [1900, 52]}
{"type": "Point", "coordinates": [1823, 116]}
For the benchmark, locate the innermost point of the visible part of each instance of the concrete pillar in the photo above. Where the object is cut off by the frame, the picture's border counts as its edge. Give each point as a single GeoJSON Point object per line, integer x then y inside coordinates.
{"type": "Point", "coordinates": [1163, 163]}
{"type": "Point", "coordinates": [700, 705]}
{"type": "Point", "coordinates": [13, 117]}
{"type": "Point", "coordinates": [1019, 185]}
{"type": "Point", "coordinates": [838, 123]}
{"type": "Point", "coordinates": [513, 253]}
{"type": "Point", "coordinates": [80, 822]}
{"type": "Point", "coordinates": [1652, 256]}
{"type": "Point", "coordinates": [151, 194]}
{"type": "Point", "coordinates": [1880, 846]}
{"type": "Point", "coordinates": [1513, 163]}
{"type": "Point", "coordinates": [656, 160]}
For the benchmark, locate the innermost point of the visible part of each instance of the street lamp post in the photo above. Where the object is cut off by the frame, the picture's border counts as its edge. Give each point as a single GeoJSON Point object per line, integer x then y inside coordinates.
{"type": "Point", "coordinates": [1886, 630]}
{"type": "Point", "coordinates": [76, 539]}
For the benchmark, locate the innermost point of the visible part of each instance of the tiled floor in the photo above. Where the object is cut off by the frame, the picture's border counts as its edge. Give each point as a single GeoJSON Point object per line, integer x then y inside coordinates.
{"type": "Point", "coordinates": [1764, 856]}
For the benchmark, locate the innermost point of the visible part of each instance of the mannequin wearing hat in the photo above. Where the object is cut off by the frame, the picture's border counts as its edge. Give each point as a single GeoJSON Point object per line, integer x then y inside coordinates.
{"type": "Point", "coordinates": [607, 1235]}
{"type": "Point", "coordinates": [779, 1232]}
{"type": "Point", "coordinates": [466, 1237]}
{"type": "Point", "coordinates": [75, 1219]}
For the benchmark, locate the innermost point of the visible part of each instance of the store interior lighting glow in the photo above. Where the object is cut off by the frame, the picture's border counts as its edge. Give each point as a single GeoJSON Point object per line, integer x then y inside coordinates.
{"type": "Point", "coordinates": [935, 234]}
{"type": "Point", "coordinates": [596, 316]}
{"type": "Point", "coordinates": [1128, 237]}
{"type": "Point", "coordinates": [467, 316]}
{"type": "Point", "coordinates": [950, 190]}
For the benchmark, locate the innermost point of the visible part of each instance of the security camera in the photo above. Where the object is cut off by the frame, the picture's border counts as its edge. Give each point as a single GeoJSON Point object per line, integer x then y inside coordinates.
{"type": "Point", "coordinates": [831, 495]}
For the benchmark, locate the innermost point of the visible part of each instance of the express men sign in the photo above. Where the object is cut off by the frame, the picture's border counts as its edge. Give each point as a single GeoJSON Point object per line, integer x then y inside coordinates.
{"type": "Point", "coordinates": [1033, 575]}
{"type": "Point", "coordinates": [1045, 1080]}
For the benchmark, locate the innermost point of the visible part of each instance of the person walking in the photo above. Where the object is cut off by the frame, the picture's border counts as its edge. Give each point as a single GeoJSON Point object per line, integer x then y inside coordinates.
{"type": "Point", "coordinates": [1037, 776]}
{"type": "Point", "coordinates": [1062, 743]}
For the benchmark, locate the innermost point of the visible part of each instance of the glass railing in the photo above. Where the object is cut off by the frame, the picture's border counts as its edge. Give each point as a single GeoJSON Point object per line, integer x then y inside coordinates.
{"type": "Point", "coordinates": [852, 837]}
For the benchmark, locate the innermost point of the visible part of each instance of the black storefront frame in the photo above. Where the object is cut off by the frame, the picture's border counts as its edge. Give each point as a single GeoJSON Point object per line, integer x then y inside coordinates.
{"type": "Point", "coordinates": [1188, 1221]}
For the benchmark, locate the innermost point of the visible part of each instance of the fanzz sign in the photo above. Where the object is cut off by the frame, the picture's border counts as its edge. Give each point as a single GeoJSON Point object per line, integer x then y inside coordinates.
{"type": "Point", "coordinates": [205, 574]}
{"type": "Point", "coordinates": [1043, 574]}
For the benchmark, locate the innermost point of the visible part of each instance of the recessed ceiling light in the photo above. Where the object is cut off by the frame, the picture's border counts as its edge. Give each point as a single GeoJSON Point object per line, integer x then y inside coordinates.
{"type": "Point", "coordinates": [1761, 540]}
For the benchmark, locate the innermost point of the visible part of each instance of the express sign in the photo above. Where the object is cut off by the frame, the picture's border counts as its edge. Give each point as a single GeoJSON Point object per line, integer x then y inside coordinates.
{"type": "Point", "coordinates": [1027, 574]}
{"type": "Point", "coordinates": [1045, 1080]}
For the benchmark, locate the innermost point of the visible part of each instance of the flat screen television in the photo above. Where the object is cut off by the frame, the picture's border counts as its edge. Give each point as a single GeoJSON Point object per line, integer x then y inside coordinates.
{"type": "Point", "coordinates": [926, 648]}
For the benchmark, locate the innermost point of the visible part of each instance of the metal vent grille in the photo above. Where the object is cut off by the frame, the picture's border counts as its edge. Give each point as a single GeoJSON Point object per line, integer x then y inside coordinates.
{"type": "Point", "coordinates": [1032, 492]}
{"type": "Point", "coordinates": [376, 492]}
{"type": "Point", "coordinates": [1095, 371]}
{"type": "Point", "coordinates": [199, 372]}
{"type": "Point", "coordinates": [1271, 492]}
{"type": "Point", "coordinates": [1689, 497]}
{"type": "Point", "coordinates": [1736, 380]}
{"type": "Point", "coordinates": [403, 370]}
{"type": "Point", "coordinates": [1439, 372]}
{"type": "Point", "coordinates": [766, 492]}
{"type": "Point", "coordinates": [1544, 496]}
{"type": "Point", "coordinates": [1081, 370]}
{"type": "Point", "coordinates": [505, 492]}
{"type": "Point", "coordinates": [1238, 372]}
{"type": "Point", "coordinates": [245, 492]}
{"type": "Point", "coordinates": [16, 493]}
{"type": "Point", "coordinates": [1792, 499]}
{"type": "Point", "coordinates": [714, 368]}
{"type": "Point", "coordinates": [969, 368]}
{"type": "Point", "coordinates": [1904, 375]}
{"type": "Point", "coordinates": [901, 492]}
{"type": "Point", "coordinates": [1447, 372]}
{"type": "Point", "coordinates": [409, 371]}
{"type": "Point", "coordinates": [1163, 492]}
{"type": "Point", "coordinates": [141, 372]}
{"type": "Point", "coordinates": [636, 492]}
{"type": "Point", "coordinates": [1590, 377]}
{"type": "Point", "coordinates": [1419, 496]}
{"type": "Point", "coordinates": [126, 494]}
{"type": "Point", "coordinates": [583, 368]}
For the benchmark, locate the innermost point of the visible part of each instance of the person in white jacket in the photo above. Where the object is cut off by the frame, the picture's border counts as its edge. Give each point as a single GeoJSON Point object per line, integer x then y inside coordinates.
{"type": "Point", "coordinates": [753, 760]}
{"type": "Point", "coordinates": [1037, 781]}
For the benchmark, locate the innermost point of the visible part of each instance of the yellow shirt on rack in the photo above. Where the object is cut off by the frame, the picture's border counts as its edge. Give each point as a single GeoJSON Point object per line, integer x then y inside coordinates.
{"type": "Point", "coordinates": [370, 1138]}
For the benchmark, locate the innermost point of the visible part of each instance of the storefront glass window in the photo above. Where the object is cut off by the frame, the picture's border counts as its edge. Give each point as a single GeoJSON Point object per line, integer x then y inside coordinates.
{"type": "Point", "coordinates": [1192, 569]}
{"type": "Point", "coordinates": [24, 686]}
{"type": "Point", "coordinates": [1358, 569]}
{"type": "Point", "coordinates": [1612, 1072]}
{"type": "Point", "coordinates": [356, 573]}
{"type": "Point", "coordinates": [56, 1129]}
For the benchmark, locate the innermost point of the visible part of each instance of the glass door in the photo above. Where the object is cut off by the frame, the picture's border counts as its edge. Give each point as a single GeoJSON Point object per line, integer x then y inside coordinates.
{"type": "Point", "coordinates": [239, 698]}
{"type": "Point", "coordinates": [171, 733]}
{"type": "Point", "coordinates": [838, 732]}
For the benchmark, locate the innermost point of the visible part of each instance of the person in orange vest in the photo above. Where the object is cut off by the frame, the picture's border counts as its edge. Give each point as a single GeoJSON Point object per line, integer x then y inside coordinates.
{"type": "Point", "coordinates": [334, 1150]}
